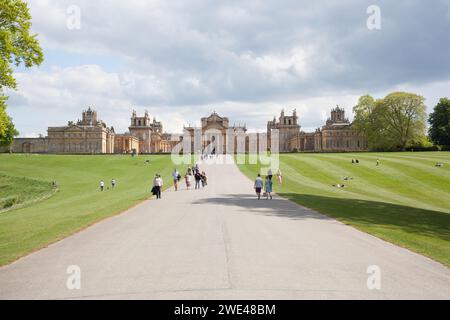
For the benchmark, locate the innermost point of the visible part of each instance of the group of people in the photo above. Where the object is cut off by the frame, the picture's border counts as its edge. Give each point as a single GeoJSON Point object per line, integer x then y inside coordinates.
{"type": "Point", "coordinates": [192, 175]}
{"type": "Point", "coordinates": [266, 184]}
{"type": "Point", "coordinates": [102, 184]}
{"type": "Point", "coordinates": [200, 178]}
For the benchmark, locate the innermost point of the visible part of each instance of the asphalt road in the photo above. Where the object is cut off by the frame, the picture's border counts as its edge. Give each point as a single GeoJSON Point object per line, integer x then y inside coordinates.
{"type": "Point", "coordinates": [222, 243]}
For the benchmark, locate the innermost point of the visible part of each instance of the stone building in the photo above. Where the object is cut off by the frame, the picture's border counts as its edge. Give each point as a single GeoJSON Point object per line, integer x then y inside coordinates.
{"type": "Point", "coordinates": [287, 127]}
{"type": "Point", "coordinates": [28, 145]}
{"type": "Point", "coordinates": [126, 143]}
{"type": "Point", "coordinates": [337, 135]}
{"type": "Point", "coordinates": [148, 132]}
{"type": "Point", "coordinates": [214, 129]}
{"type": "Point", "coordinates": [89, 135]}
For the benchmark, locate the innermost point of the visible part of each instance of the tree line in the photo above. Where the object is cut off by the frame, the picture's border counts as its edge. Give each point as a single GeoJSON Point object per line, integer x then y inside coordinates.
{"type": "Point", "coordinates": [398, 122]}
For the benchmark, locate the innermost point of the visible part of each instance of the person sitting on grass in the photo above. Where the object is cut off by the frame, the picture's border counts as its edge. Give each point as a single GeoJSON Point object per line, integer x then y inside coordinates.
{"type": "Point", "coordinates": [339, 186]}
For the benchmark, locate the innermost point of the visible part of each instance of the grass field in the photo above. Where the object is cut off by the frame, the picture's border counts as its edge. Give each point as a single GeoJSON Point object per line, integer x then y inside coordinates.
{"type": "Point", "coordinates": [405, 200]}
{"type": "Point", "coordinates": [20, 192]}
{"type": "Point", "coordinates": [78, 202]}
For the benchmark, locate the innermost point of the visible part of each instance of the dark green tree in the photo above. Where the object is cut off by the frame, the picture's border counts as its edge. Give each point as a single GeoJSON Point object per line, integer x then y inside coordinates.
{"type": "Point", "coordinates": [439, 121]}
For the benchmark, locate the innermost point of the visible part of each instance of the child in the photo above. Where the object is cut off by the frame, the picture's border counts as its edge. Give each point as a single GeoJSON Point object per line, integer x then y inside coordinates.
{"type": "Point", "coordinates": [258, 186]}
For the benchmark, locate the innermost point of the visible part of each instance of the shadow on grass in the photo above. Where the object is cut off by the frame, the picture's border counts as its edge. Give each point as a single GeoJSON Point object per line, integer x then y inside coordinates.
{"type": "Point", "coordinates": [372, 214]}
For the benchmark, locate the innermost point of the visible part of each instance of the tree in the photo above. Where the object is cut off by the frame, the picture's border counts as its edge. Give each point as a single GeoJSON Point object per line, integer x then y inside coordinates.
{"type": "Point", "coordinates": [365, 121]}
{"type": "Point", "coordinates": [17, 46]}
{"type": "Point", "coordinates": [439, 121]}
{"type": "Point", "coordinates": [7, 128]}
{"type": "Point", "coordinates": [395, 122]}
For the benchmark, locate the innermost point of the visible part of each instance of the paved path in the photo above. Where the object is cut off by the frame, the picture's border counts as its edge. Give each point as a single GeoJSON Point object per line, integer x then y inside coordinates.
{"type": "Point", "coordinates": [221, 243]}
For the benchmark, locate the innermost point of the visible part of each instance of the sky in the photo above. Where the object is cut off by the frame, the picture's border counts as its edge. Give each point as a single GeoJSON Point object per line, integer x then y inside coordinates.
{"type": "Point", "coordinates": [247, 60]}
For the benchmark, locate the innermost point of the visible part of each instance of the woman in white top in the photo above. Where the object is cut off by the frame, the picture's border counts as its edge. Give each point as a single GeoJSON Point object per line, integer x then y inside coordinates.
{"type": "Point", "coordinates": [157, 185]}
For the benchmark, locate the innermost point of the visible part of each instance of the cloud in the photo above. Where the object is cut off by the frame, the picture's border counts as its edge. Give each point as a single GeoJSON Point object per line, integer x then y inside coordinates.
{"type": "Point", "coordinates": [247, 58]}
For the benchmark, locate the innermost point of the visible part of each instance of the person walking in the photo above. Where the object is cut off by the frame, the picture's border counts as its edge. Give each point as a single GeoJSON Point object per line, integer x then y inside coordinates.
{"type": "Point", "coordinates": [258, 186]}
{"type": "Point", "coordinates": [176, 178]}
{"type": "Point", "coordinates": [198, 178]}
{"type": "Point", "coordinates": [204, 179]}
{"type": "Point", "coordinates": [268, 188]}
{"type": "Point", "coordinates": [157, 185]}
{"type": "Point", "coordinates": [280, 176]}
{"type": "Point", "coordinates": [102, 185]}
{"type": "Point", "coordinates": [188, 180]}
{"type": "Point", "coordinates": [113, 184]}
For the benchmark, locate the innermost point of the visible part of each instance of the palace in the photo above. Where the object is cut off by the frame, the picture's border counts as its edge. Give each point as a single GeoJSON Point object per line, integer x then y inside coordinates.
{"type": "Point", "coordinates": [146, 136]}
{"type": "Point", "coordinates": [337, 135]}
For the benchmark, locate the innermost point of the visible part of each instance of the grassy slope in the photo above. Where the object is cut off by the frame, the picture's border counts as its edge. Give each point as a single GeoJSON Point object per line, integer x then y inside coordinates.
{"type": "Point", "coordinates": [18, 192]}
{"type": "Point", "coordinates": [406, 200]}
{"type": "Point", "coordinates": [79, 203]}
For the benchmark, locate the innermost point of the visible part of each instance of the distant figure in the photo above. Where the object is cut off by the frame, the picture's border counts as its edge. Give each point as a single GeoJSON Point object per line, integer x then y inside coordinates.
{"type": "Point", "coordinates": [157, 185]}
{"type": "Point", "coordinates": [198, 179]}
{"type": "Point", "coordinates": [176, 178]}
{"type": "Point", "coordinates": [269, 174]}
{"type": "Point", "coordinates": [204, 179]}
{"type": "Point", "coordinates": [146, 161]}
{"type": "Point", "coordinates": [113, 184]}
{"type": "Point", "coordinates": [353, 161]}
{"type": "Point", "coordinates": [357, 161]}
{"type": "Point", "coordinates": [188, 181]}
{"type": "Point", "coordinates": [268, 188]}
{"type": "Point", "coordinates": [102, 185]}
{"type": "Point", "coordinates": [280, 176]}
{"type": "Point", "coordinates": [378, 162]}
{"type": "Point", "coordinates": [439, 165]}
{"type": "Point", "coordinates": [339, 186]}
{"type": "Point", "coordinates": [258, 186]}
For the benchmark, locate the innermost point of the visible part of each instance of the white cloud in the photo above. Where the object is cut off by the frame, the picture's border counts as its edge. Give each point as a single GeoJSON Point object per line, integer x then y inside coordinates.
{"type": "Point", "coordinates": [247, 59]}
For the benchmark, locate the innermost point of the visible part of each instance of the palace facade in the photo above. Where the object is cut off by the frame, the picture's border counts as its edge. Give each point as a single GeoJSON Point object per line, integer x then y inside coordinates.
{"type": "Point", "coordinates": [90, 135]}
{"type": "Point", "coordinates": [337, 135]}
{"type": "Point", "coordinates": [214, 130]}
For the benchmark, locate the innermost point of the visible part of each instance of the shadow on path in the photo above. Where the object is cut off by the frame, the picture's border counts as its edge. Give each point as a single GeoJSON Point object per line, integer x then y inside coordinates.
{"type": "Point", "coordinates": [275, 207]}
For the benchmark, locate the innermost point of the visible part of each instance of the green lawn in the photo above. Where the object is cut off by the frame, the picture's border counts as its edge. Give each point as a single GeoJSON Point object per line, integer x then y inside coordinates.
{"type": "Point", "coordinates": [19, 192]}
{"type": "Point", "coordinates": [405, 200]}
{"type": "Point", "coordinates": [78, 202]}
